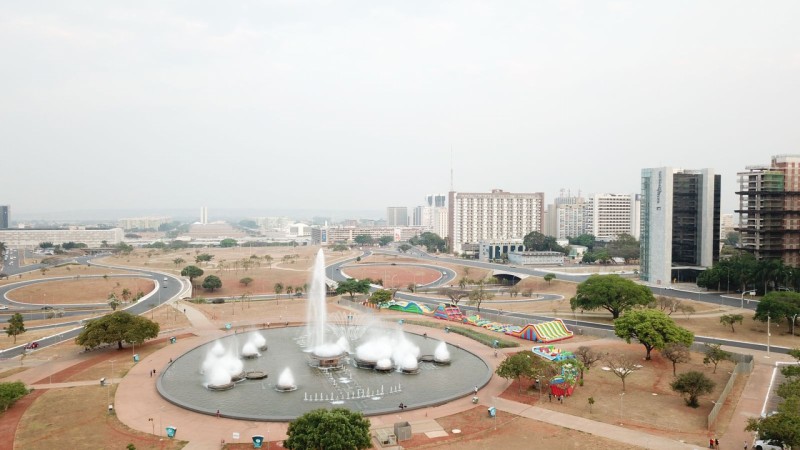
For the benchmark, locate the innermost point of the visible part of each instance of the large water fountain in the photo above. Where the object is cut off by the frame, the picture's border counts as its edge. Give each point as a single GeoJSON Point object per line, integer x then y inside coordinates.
{"type": "Point", "coordinates": [343, 361]}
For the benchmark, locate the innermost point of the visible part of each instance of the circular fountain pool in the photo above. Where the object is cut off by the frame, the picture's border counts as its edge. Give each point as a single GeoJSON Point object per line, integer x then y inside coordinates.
{"type": "Point", "coordinates": [369, 391]}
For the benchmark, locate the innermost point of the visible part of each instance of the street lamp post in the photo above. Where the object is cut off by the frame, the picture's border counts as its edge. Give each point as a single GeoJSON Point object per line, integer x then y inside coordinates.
{"type": "Point", "coordinates": [794, 318]}
{"type": "Point", "coordinates": [153, 423]}
{"type": "Point", "coordinates": [768, 335]}
{"type": "Point", "coordinates": [748, 293]}
{"type": "Point", "coordinates": [621, 397]}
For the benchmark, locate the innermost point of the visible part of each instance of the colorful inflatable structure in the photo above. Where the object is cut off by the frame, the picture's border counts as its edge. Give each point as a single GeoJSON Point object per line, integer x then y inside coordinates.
{"type": "Point", "coordinates": [552, 353]}
{"type": "Point", "coordinates": [409, 307]}
{"type": "Point", "coordinates": [552, 331]}
{"type": "Point", "coordinates": [448, 311]}
{"type": "Point", "coordinates": [477, 321]}
{"type": "Point", "coordinates": [564, 384]}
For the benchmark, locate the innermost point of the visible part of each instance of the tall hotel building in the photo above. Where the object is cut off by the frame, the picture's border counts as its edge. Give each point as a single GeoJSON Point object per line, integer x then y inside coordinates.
{"type": "Point", "coordinates": [609, 215]}
{"type": "Point", "coordinates": [769, 210]}
{"type": "Point", "coordinates": [679, 223]}
{"type": "Point", "coordinates": [498, 215]}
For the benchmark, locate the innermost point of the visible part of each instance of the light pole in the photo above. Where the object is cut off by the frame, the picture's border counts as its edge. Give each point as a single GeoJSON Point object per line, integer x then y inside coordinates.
{"type": "Point", "coordinates": [111, 380]}
{"type": "Point", "coordinates": [153, 423]}
{"type": "Point", "coordinates": [768, 335]}
{"type": "Point", "coordinates": [621, 397]}
{"type": "Point", "coordinates": [794, 318]}
{"type": "Point", "coordinates": [748, 293]}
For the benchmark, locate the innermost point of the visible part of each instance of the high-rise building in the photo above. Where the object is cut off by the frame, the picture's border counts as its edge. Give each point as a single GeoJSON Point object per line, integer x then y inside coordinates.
{"type": "Point", "coordinates": [204, 215]}
{"type": "Point", "coordinates": [475, 217]}
{"type": "Point", "coordinates": [143, 223]}
{"type": "Point", "coordinates": [566, 219]}
{"type": "Point", "coordinates": [769, 210]}
{"type": "Point", "coordinates": [397, 216]}
{"type": "Point", "coordinates": [609, 215]}
{"type": "Point", "coordinates": [679, 223]}
{"type": "Point", "coordinates": [5, 216]}
{"type": "Point", "coordinates": [436, 201]}
{"type": "Point", "coordinates": [421, 216]}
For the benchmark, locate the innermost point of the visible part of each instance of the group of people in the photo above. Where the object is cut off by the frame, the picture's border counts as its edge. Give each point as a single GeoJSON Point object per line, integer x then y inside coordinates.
{"type": "Point", "coordinates": [714, 443]}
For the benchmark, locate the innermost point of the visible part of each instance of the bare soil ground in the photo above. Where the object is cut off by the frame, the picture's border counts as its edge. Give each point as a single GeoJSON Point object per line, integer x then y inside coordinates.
{"type": "Point", "coordinates": [79, 290]}
{"type": "Point", "coordinates": [77, 417]}
{"type": "Point", "coordinates": [649, 404]}
{"type": "Point", "coordinates": [393, 276]}
{"type": "Point", "coordinates": [71, 270]}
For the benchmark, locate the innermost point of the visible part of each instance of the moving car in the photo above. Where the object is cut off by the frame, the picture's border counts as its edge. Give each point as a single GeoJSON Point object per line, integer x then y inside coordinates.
{"type": "Point", "coordinates": [32, 346]}
{"type": "Point", "coordinates": [46, 307]}
{"type": "Point", "coordinates": [3, 307]}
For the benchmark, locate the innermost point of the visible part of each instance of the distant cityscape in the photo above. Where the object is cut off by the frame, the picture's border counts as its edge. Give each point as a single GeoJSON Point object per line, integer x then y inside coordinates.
{"type": "Point", "coordinates": [675, 217]}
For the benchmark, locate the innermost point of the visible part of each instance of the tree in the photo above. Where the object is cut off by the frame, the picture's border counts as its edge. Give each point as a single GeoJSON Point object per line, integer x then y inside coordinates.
{"type": "Point", "coordinates": [782, 428]}
{"type": "Point", "coordinates": [730, 319]}
{"type": "Point", "coordinates": [117, 327]}
{"type": "Point", "coordinates": [113, 301]}
{"type": "Point", "coordinates": [178, 262]}
{"type": "Point", "coordinates": [539, 242]}
{"type": "Point", "coordinates": [228, 242]}
{"type": "Point", "coordinates": [192, 272]}
{"type": "Point", "coordinates": [335, 429]}
{"type": "Point", "coordinates": [517, 366]}
{"type": "Point", "coordinates": [715, 355]}
{"type": "Point", "coordinates": [10, 393]}
{"type": "Point", "coordinates": [341, 248]}
{"type": "Point", "coordinates": [478, 295]}
{"type": "Point", "coordinates": [364, 239]}
{"type": "Point", "coordinates": [246, 281]}
{"type": "Point", "coordinates": [624, 246]}
{"type": "Point", "coordinates": [211, 283]}
{"type": "Point", "coordinates": [612, 293]}
{"type": "Point", "coordinates": [585, 240]}
{"type": "Point", "coordinates": [404, 247]}
{"type": "Point", "coordinates": [549, 277]}
{"type": "Point", "coordinates": [203, 257]}
{"type": "Point", "coordinates": [431, 241]}
{"type": "Point", "coordinates": [352, 286]}
{"type": "Point", "coordinates": [381, 296]}
{"type": "Point", "coordinates": [652, 328]}
{"type": "Point", "coordinates": [16, 326]}
{"type": "Point", "coordinates": [278, 289]}
{"type": "Point", "coordinates": [126, 294]}
{"type": "Point", "coordinates": [587, 357]}
{"type": "Point", "coordinates": [622, 367]}
{"type": "Point", "coordinates": [455, 295]}
{"type": "Point", "coordinates": [692, 384]}
{"type": "Point", "coordinates": [677, 353]}
{"type": "Point", "coordinates": [778, 305]}
{"type": "Point", "coordinates": [385, 240]}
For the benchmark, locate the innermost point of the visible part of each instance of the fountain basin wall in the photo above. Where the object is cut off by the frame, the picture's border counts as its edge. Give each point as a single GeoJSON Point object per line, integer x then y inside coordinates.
{"type": "Point", "coordinates": [182, 383]}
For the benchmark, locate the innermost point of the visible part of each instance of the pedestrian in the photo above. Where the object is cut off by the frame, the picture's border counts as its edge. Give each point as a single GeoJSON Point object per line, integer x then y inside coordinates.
{"type": "Point", "coordinates": [475, 389]}
{"type": "Point", "coordinates": [711, 443]}
{"type": "Point", "coordinates": [561, 399]}
{"type": "Point", "coordinates": [170, 360]}
{"type": "Point", "coordinates": [217, 414]}
{"type": "Point", "coordinates": [550, 397]}
{"type": "Point", "coordinates": [716, 444]}
{"type": "Point", "coordinates": [151, 374]}
{"type": "Point", "coordinates": [745, 445]}
{"type": "Point", "coordinates": [184, 310]}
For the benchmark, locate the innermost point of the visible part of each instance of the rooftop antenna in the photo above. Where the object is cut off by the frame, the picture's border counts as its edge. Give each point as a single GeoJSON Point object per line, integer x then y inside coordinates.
{"type": "Point", "coordinates": [452, 189]}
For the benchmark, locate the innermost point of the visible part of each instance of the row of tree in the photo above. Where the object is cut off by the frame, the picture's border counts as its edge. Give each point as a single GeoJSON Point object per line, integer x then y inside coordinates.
{"type": "Point", "coordinates": [782, 427]}
{"type": "Point", "coordinates": [742, 272]}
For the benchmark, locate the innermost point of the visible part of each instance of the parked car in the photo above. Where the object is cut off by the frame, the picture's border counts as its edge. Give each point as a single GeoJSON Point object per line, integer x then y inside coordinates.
{"type": "Point", "coordinates": [762, 444]}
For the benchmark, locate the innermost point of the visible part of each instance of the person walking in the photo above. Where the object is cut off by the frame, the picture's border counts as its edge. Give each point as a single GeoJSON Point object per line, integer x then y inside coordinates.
{"type": "Point", "coordinates": [745, 445]}
{"type": "Point", "coordinates": [711, 443]}
{"type": "Point", "coordinates": [716, 444]}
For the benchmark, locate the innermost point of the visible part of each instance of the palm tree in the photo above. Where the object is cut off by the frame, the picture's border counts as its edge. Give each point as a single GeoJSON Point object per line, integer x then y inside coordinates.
{"type": "Point", "coordinates": [278, 289]}
{"type": "Point", "coordinates": [289, 290]}
{"type": "Point", "coordinates": [126, 294]}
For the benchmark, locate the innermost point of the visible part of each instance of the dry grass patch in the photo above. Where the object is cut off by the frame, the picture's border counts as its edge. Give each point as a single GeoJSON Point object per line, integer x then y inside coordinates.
{"type": "Point", "coordinates": [79, 290]}
{"type": "Point", "coordinates": [649, 404]}
{"type": "Point", "coordinates": [78, 418]}
{"type": "Point", "coordinates": [393, 276]}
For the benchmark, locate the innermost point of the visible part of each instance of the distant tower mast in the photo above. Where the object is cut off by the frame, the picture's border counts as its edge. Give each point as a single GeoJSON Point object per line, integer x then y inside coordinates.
{"type": "Point", "coordinates": [452, 189]}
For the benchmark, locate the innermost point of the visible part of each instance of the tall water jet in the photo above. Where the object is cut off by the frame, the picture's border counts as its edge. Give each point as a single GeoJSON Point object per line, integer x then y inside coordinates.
{"type": "Point", "coordinates": [326, 355]}
{"type": "Point", "coordinates": [441, 355]}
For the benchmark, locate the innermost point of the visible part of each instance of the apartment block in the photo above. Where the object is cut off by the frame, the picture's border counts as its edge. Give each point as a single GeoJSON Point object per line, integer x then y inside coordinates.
{"type": "Point", "coordinates": [497, 215]}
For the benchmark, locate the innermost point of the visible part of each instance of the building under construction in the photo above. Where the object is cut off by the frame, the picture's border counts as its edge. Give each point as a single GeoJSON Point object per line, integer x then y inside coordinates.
{"type": "Point", "coordinates": [769, 210]}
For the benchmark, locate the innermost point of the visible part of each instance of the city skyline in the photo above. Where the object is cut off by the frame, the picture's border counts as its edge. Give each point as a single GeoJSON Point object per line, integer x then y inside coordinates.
{"type": "Point", "coordinates": [352, 107]}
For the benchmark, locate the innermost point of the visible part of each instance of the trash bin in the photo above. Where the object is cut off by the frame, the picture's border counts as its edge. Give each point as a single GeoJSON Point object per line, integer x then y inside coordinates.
{"type": "Point", "coordinates": [400, 321]}
{"type": "Point", "coordinates": [495, 343]}
{"type": "Point", "coordinates": [492, 411]}
{"type": "Point", "coordinates": [258, 441]}
{"type": "Point", "coordinates": [475, 400]}
{"type": "Point", "coordinates": [171, 432]}
{"type": "Point", "coordinates": [136, 358]}
{"type": "Point", "coordinates": [173, 340]}
{"type": "Point", "coordinates": [446, 329]}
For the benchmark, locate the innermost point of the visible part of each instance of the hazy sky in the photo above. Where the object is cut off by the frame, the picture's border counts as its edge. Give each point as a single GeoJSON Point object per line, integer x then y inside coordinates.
{"type": "Point", "coordinates": [356, 105]}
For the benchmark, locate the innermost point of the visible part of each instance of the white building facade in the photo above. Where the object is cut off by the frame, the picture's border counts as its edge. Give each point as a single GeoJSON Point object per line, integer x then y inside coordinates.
{"type": "Point", "coordinates": [609, 215]}
{"type": "Point", "coordinates": [32, 237]}
{"type": "Point", "coordinates": [497, 215]}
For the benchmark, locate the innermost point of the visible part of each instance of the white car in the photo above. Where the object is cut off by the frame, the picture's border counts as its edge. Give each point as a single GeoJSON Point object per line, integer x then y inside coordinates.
{"type": "Point", "coordinates": [3, 307]}
{"type": "Point", "coordinates": [762, 444]}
